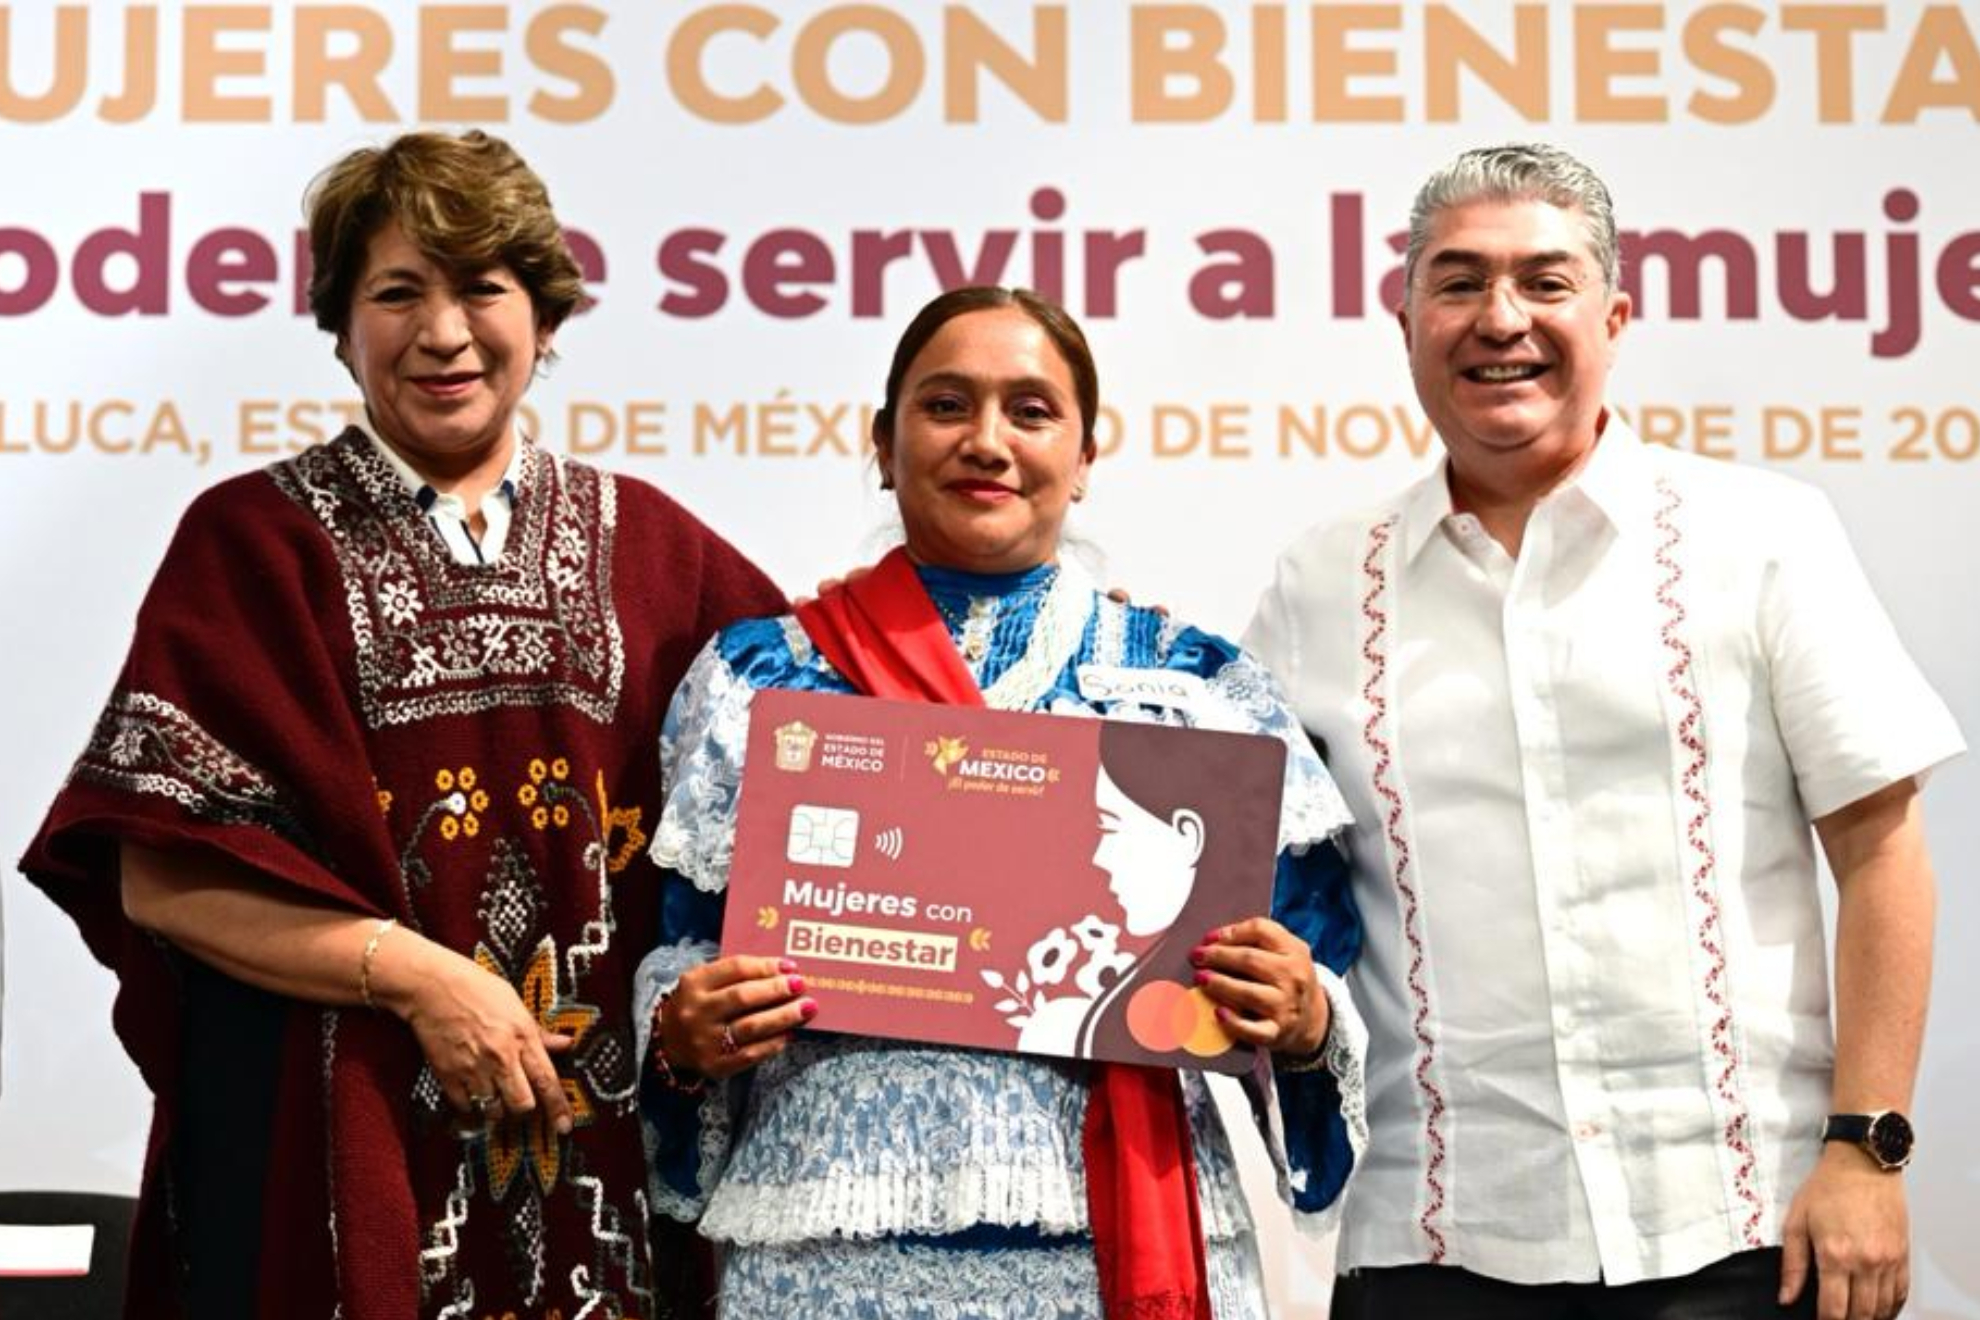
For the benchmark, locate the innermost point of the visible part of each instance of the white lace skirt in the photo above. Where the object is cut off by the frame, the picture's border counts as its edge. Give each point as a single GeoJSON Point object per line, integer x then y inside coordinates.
{"type": "Point", "coordinates": [924, 1279]}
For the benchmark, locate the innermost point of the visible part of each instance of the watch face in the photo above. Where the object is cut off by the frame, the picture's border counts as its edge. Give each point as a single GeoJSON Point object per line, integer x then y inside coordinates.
{"type": "Point", "coordinates": [1890, 1139]}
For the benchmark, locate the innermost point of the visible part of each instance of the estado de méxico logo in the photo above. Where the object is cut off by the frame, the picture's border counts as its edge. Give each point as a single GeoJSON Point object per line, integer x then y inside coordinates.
{"type": "Point", "coordinates": [962, 766]}
{"type": "Point", "coordinates": [944, 753]}
{"type": "Point", "coordinates": [794, 744]}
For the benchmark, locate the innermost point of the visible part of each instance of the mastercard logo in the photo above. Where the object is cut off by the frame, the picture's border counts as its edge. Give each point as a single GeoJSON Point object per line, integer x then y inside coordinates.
{"type": "Point", "coordinates": [1167, 1015]}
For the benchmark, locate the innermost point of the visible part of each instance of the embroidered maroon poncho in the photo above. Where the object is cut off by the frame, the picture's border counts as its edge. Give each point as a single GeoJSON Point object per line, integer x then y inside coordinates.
{"type": "Point", "coordinates": [319, 691]}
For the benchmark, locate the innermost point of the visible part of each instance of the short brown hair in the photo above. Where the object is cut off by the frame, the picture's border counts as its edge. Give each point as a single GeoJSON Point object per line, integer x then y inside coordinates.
{"type": "Point", "coordinates": [466, 202]}
{"type": "Point", "coordinates": [1053, 319]}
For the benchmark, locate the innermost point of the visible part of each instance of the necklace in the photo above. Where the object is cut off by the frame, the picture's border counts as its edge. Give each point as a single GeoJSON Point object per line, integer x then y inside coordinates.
{"type": "Point", "coordinates": [1052, 638]}
{"type": "Point", "coordinates": [1055, 638]}
{"type": "Point", "coordinates": [971, 627]}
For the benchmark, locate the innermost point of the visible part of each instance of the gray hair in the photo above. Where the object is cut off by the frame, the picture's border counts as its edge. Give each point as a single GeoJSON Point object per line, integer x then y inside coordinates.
{"type": "Point", "coordinates": [1518, 172]}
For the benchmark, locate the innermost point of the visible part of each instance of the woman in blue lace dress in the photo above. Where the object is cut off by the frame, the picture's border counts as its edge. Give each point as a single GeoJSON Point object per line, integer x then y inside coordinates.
{"type": "Point", "coordinates": [847, 1176]}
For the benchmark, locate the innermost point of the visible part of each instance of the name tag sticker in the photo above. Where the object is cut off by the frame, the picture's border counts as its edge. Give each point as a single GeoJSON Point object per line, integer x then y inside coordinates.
{"type": "Point", "coordinates": [1149, 687]}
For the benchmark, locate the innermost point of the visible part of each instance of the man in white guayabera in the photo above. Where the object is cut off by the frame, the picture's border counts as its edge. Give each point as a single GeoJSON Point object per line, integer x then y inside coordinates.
{"type": "Point", "coordinates": [1587, 697]}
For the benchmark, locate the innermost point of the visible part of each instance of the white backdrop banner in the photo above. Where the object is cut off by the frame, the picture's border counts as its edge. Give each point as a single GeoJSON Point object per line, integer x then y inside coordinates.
{"type": "Point", "coordinates": [761, 195]}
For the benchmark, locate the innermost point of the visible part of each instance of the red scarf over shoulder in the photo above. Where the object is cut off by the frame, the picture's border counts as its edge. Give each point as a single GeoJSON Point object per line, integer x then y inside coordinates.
{"type": "Point", "coordinates": [882, 632]}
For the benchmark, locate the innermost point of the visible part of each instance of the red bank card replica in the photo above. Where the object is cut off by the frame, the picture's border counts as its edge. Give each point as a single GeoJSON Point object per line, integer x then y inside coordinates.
{"type": "Point", "coordinates": [1006, 881]}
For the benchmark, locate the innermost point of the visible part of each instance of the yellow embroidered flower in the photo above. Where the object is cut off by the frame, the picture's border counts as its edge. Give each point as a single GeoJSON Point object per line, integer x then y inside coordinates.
{"type": "Point", "coordinates": [384, 802]}
{"type": "Point", "coordinates": [539, 818]}
{"type": "Point", "coordinates": [560, 768]}
{"type": "Point", "coordinates": [537, 769]}
{"type": "Point", "coordinates": [560, 815]}
{"type": "Point", "coordinates": [616, 818]}
{"type": "Point", "coordinates": [527, 795]}
{"type": "Point", "coordinates": [460, 804]}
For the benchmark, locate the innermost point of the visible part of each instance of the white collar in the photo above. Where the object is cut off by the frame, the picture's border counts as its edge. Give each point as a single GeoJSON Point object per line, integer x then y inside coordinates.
{"type": "Point", "coordinates": [509, 486]}
{"type": "Point", "coordinates": [1612, 480]}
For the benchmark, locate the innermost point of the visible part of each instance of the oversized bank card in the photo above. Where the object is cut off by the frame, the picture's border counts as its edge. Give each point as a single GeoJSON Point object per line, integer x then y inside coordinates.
{"type": "Point", "coordinates": [1005, 881]}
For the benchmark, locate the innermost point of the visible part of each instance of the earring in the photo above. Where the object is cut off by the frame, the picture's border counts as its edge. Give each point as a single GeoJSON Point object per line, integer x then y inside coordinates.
{"type": "Point", "coordinates": [1079, 492]}
{"type": "Point", "coordinates": [886, 479]}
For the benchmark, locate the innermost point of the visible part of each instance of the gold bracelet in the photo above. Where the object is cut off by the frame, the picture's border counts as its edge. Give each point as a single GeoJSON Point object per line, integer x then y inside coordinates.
{"type": "Point", "coordinates": [371, 953]}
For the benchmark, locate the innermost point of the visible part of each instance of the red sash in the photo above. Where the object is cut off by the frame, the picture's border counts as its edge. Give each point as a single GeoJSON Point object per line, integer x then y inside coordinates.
{"type": "Point", "coordinates": [882, 632]}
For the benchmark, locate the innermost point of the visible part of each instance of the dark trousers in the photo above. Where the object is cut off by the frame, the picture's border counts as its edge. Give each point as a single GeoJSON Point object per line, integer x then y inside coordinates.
{"type": "Point", "coordinates": [220, 1150]}
{"type": "Point", "coordinates": [1741, 1287]}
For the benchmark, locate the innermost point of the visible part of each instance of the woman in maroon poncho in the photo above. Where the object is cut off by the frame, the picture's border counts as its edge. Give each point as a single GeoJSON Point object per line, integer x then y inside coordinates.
{"type": "Point", "coordinates": [361, 828]}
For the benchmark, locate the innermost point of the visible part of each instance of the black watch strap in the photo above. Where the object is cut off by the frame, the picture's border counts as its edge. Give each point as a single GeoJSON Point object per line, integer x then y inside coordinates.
{"type": "Point", "coordinates": [1853, 1128]}
{"type": "Point", "coordinates": [1884, 1136]}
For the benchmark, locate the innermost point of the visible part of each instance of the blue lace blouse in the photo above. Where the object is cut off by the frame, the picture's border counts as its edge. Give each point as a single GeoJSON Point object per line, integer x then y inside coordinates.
{"type": "Point", "coordinates": [845, 1136]}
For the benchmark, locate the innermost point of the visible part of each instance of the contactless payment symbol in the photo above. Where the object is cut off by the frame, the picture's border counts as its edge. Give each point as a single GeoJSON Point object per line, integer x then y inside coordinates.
{"type": "Point", "coordinates": [822, 836]}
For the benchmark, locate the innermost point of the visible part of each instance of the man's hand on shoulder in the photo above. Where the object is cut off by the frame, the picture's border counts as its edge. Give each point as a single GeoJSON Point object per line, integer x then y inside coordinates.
{"type": "Point", "coordinates": [1120, 596]}
{"type": "Point", "coordinates": [826, 586]}
{"type": "Point", "coordinates": [1849, 1220]}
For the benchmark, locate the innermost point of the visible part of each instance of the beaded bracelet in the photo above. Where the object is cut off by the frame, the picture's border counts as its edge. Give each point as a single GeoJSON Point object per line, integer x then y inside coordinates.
{"type": "Point", "coordinates": [370, 954]}
{"type": "Point", "coordinates": [683, 1081]}
{"type": "Point", "coordinates": [1304, 1063]}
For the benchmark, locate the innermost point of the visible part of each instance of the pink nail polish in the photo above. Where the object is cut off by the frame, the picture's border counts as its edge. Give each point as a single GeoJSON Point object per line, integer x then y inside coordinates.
{"type": "Point", "coordinates": [795, 984]}
{"type": "Point", "coordinates": [1215, 936]}
{"type": "Point", "coordinates": [1223, 1014]}
{"type": "Point", "coordinates": [786, 965]}
{"type": "Point", "coordinates": [1199, 953]}
{"type": "Point", "coordinates": [808, 1009]}
{"type": "Point", "coordinates": [1202, 977]}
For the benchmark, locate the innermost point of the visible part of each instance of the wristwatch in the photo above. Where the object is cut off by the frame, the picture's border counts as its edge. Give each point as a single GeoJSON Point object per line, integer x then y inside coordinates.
{"type": "Point", "coordinates": [1885, 1136]}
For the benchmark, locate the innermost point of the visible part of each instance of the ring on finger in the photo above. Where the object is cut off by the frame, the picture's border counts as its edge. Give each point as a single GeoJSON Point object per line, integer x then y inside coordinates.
{"type": "Point", "coordinates": [481, 1104]}
{"type": "Point", "coordinates": [729, 1043]}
